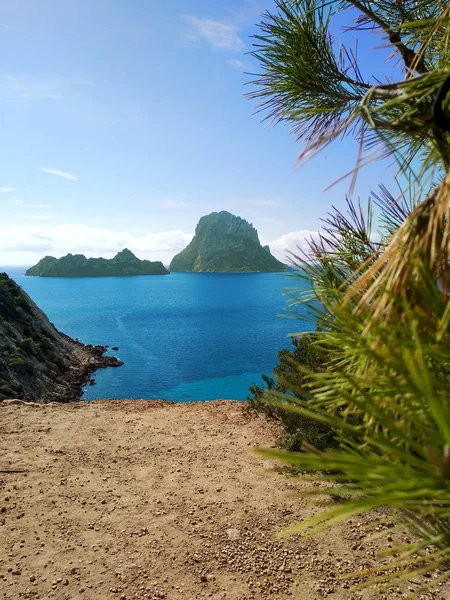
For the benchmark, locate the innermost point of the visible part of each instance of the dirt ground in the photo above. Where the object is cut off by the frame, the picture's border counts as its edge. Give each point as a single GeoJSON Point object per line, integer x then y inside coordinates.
{"type": "Point", "coordinates": [127, 500]}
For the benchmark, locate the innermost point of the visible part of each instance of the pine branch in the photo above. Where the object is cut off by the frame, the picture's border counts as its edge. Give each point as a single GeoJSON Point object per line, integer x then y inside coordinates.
{"type": "Point", "coordinates": [412, 60]}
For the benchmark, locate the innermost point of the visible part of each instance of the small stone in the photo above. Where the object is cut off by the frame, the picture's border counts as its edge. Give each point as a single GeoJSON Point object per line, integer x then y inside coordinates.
{"type": "Point", "coordinates": [233, 534]}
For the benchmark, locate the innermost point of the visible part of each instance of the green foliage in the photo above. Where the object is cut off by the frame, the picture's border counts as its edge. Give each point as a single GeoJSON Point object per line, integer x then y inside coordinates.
{"type": "Point", "coordinates": [303, 81]}
{"type": "Point", "coordinates": [380, 386]}
{"type": "Point", "coordinates": [13, 305]}
{"type": "Point", "coordinates": [323, 94]}
{"type": "Point", "coordinates": [28, 345]}
{"type": "Point", "coordinates": [395, 452]}
{"type": "Point", "coordinates": [16, 361]}
{"type": "Point", "coordinates": [383, 308]}
{"type": "Point", "coordinates": [291, 377]}
{"type": "Point", "coordinates": [9, 389]}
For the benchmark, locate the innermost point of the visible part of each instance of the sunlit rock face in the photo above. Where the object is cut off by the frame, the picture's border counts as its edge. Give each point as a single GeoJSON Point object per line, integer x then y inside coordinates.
{"type": "Point", "coordinates": [224, 243]}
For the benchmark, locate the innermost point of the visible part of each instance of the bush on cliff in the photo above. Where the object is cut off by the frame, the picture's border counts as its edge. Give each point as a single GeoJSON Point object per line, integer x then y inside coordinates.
{"type": "Point", "coordinates": [290, 378]}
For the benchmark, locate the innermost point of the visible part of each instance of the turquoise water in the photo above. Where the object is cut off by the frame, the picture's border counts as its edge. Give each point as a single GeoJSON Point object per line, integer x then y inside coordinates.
{"type": "Point", "coordinates": [182, 336]}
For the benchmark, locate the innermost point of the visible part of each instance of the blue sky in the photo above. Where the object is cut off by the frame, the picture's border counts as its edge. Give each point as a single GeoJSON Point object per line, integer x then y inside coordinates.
{"type": "Point", "coordinates": [124, 122]}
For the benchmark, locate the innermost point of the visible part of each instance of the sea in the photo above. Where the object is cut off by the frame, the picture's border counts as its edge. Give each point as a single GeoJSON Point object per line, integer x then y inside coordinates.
{"type": "Point", "coordinates": [182, 337]}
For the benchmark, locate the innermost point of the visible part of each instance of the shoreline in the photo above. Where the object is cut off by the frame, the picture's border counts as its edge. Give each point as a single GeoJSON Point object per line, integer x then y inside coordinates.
{"type": "Point", "coordinates": [121, 402]}
{"type": "Point", "coordinates": [165, 401]}
{"type": "Point", "coordinates": [68, 387]}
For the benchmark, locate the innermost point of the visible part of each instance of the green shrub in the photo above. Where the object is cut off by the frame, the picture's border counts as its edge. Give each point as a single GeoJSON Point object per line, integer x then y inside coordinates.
{"type": "Point", "coordinates": [291, 377]}
{"type": "Point", "coordinates": [7, 391]}
{"type": "Point", "coordinates": [16, 361]}
{"type": "Point", "coordinates": [28, 345]}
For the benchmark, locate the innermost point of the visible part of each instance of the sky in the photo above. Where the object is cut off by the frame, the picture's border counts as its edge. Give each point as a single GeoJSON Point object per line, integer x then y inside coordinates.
{"type": "Point", "coordinates": [124, 122]}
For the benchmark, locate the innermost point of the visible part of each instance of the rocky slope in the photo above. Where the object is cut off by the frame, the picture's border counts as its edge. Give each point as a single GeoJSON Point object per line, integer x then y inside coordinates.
{"type": "Point", "coordinates": [125, 263]}
{"type": "Point", "coordinates": [225, 243]}
{"type": "Point", "coordinates": [37, 362]}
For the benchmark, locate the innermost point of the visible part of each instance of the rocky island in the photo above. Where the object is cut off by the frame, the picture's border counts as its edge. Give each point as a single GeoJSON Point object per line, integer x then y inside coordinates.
{"type": "Point", "coordinates": [224, 243]}
{"type": "Point", "coordinates": [125, 263]}
{"type": "Point", "coordinates": [38, 363]}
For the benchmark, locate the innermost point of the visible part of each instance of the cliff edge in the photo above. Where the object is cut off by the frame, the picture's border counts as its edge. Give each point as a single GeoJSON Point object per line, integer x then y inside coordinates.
{"type": "Point", "coordinates": [37, 362]}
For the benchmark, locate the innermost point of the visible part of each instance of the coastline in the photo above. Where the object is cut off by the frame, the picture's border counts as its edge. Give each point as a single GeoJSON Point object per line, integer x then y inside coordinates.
{"type": "Point", "coordinates": [116, 312]}
{"type": "Point", "coordinates": [68, 387]}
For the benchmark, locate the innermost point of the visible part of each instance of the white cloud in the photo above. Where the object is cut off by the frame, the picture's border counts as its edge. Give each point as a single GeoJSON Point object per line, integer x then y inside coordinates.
{"type": "Point", "coordinates": [32, 205]}
{"type": "Point", "coordinates": [32, 87]}
{"type": "Point", "coordinates": [264, 202]}
{"type": "Point", "coordinates": [236, 64]}
{"type": "Point", "coordinates": [292, 241]}
{"type": "Point", "coordinates": [6, 190]}
{"type": "Point", "coordinates": [270, 220]}
{"type": "Point", "coordinates": [217, 34]}
{"type": "Point", "coordinates": [172, 204]}
{"type": "Point", "coordinates": [35, 217]}
{"type": "Point", "coordinates": [27, 244]}
{"type": "Point", "coordinates": [59, 173]}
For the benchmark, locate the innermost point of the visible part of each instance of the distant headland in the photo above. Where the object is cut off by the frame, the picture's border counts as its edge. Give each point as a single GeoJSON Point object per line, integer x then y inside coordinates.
{"type": "Point", "coordinates": [125, 263]}
{"type": "Point", "coordinates": [224, 243]}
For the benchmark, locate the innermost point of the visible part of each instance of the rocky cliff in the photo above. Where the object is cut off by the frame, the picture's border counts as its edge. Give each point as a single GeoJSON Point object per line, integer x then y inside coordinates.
{"type": "Point", "coordinates": [125, 263]}
{"type": "Point", "coordinates": [224, 243]}
{"type": "Point", "coordinates": [37, 362]}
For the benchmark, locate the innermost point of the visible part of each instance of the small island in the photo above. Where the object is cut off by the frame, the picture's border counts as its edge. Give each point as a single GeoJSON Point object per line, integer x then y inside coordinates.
{"type": "Point", "coordinates": [225, 243]}
{"type": "Point", "coordinates": [124, 264]}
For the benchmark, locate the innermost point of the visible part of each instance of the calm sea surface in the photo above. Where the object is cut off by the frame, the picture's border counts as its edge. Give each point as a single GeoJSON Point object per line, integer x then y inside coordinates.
{"type": "Point", "coordinates": [182, 336]}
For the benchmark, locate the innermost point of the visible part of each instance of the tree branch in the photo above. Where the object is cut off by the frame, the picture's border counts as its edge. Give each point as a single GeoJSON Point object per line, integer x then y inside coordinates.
{"type": "Point", "coordinates": [410, 58]}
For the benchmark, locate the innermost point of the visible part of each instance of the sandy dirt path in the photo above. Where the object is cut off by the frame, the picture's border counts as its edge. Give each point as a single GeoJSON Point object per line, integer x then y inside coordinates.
{"type": "Point", "coordinates": [146, 500]}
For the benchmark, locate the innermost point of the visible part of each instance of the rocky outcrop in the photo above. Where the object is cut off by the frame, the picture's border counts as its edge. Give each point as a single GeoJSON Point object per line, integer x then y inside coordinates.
{"type": "Point", "coordinates": [37, 362]}
{"type": "Point", "coordinates": [125, 263]}
{"type": "Point", "coordinates": [224, 243]}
